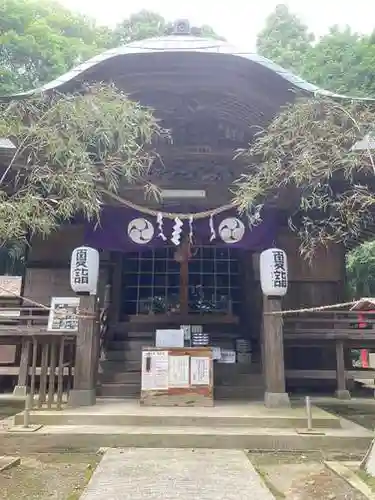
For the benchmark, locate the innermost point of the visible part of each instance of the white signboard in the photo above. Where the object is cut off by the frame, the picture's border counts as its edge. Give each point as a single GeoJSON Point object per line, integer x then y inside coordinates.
{"type": "Point", "coordinates": [178, 371]}
{"type": "Point", "coordinates": [169, 338]}
{"type": "Point", "coordinates": [200, 371]}
{"type": "Point", "coordinates": [154, 370]}
{"type": "Point", "coordinates": [63, 315]}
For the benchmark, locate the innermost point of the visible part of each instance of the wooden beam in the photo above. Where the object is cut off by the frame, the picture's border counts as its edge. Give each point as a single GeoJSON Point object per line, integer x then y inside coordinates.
{"type": "Point", "coordinates": [365, 374]}
{"type": "Point", "coordinates": [11, 371]}
{"type": "Point", "coordinates": [180, 319]}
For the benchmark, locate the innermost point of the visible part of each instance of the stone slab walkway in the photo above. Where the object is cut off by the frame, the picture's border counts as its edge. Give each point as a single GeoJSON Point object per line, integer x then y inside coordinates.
{"type": "Point", "coordinates": [175, 474]}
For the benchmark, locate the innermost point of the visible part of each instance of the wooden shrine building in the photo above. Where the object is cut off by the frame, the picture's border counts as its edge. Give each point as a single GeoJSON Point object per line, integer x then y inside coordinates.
{"type": "Point", "coordinates": [189, 259]}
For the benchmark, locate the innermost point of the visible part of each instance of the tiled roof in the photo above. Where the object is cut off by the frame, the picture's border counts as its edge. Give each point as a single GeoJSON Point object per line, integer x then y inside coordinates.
{"type": "Point", "coordinates": [178, 44]}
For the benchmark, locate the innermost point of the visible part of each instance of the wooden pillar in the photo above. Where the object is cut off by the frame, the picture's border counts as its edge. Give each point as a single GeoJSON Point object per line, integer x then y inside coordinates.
{"type": "Point", "coordinates": [84, 387]}
{"type": "Point", "coordinates": [21, 388]}
{"type": "Point", "coordinates": [117, 260]}
{"type": "Point", "coordinates": [273, 354]}
{"type": "Point", "coordinates": [342, 391]}
{"type": "Point", "coordinates": [184, 276]}
{"type": "Point", "coordinates": [184, 287]}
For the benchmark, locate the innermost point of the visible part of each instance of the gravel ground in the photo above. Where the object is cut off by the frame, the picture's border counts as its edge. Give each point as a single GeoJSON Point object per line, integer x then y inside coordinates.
{"type": "Point", "coordinates": [303, 476]}
{"type": "Point", "coordinates": [63, 476]}
{"type": "Point", "coordinates": [48, 476]}
{"type": "Point", "coordinates": [360, 414]}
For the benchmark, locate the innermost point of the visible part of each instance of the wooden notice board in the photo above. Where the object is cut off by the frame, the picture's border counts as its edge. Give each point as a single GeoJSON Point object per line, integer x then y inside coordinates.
{"type": "Point", "coordinates": [180, 376]}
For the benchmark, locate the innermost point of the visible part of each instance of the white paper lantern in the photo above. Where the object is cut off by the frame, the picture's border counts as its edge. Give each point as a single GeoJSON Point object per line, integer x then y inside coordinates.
{"type": "Point", "coordinates": [273, 272]}
{"type": "Point", "coordinates": [84, 270]}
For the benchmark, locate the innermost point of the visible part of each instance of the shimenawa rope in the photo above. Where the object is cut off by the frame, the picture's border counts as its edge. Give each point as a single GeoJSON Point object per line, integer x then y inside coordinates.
{"type": "Point", "coordinates": [47, 308]}
{"type": "Point", "coordinates": [170, 215]}
{"type": "Point", "coordinates": [273, 313]}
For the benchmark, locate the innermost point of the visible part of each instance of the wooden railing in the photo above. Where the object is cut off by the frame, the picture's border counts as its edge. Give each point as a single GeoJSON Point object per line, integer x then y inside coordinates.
{"type": "Point", "coordinates": [43, 361]}
{"type": "Point", "coordinates": [15, 319]}
{"type": "Point", "coordinates": [51, 369]}
{"type": "Point", "coordinates": [342, 330]}
{"type": "Point", "coordinates": [331, 325]}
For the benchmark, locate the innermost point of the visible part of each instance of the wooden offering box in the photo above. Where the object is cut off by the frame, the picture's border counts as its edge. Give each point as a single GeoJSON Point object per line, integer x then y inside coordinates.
{"type": "Point", "coordinates": [181, 376]}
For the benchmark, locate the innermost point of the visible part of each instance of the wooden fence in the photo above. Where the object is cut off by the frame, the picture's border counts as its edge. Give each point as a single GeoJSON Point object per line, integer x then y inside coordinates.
{"type": "Point", "coordinates": [331, 325]}
{"type": "Point", "coordinates": [340, 330]}
{"type": "Point", "coordinates": [42, 361]}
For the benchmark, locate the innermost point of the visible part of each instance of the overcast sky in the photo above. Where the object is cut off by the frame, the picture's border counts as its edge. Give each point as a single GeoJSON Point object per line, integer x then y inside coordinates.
{"type": "Point", "coordinates": [237, 20]}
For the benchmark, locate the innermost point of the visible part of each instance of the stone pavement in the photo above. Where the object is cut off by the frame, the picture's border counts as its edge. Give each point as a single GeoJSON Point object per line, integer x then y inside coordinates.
{"type": "Point", "coordinates": [175, 474]}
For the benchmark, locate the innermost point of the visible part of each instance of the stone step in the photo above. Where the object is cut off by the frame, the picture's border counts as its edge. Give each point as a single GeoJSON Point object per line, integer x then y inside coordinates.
{"type": "Point", "coordinates": [89, 438]}
{"type": "Point", "coordinates": [131, 413]}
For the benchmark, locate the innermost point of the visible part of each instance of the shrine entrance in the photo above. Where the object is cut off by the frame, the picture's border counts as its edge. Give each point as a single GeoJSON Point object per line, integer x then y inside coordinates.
{"type": "Point", "coordinates": [181, 280]}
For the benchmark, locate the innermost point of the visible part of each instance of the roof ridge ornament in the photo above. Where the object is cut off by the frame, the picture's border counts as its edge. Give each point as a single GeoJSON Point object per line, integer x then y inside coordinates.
{"type": "Point", "coordinates": [181, 27]}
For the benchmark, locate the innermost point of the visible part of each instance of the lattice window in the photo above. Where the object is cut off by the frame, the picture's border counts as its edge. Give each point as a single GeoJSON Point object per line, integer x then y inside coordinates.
{"type": "Point", "coordinates": [151, 279]}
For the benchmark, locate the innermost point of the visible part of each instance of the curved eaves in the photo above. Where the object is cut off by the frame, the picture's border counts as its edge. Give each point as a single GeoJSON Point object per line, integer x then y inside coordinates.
{"type": "Point", "coordinates": [181, 44]}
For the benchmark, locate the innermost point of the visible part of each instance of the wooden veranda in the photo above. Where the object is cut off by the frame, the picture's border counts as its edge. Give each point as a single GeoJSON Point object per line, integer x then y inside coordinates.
{"type": "Point", "coordinates": [44, 361]}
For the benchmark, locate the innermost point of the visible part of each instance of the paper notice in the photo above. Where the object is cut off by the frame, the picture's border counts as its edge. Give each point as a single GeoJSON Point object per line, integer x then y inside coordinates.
{"type": "Point", "coordinates": [154, 370]}
{"type": "Point", "coordinates": [178, 371]}
{"type": "Point", "coordinates": [227, 356]}
{"type": "Point", "coordinates": [200, 371]}
{"type": "Point", "coordinates": [216, 353]}
{"type": "Point", "coordinates": [169, 338]}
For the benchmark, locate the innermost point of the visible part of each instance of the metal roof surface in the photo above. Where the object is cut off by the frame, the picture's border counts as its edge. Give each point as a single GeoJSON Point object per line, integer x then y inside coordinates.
{"type": "Point", "coordinates": [185, 44]}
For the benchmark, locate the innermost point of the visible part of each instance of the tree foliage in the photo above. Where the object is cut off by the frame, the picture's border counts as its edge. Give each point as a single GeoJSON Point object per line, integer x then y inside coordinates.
{"type": "Point", "coordinates": [40, 40]}
{"type": "Point", "coordinates": [284, 39]}
{"type": "Point", "coordinates": [340, 61]}
{"type": "Point", "coordinates": [143, 24]}
{"type": "Point", "coordinates": [307, 150]}
{"type": "Point", "coordinates": [148, 24]}
{"type": "Point", "coordinates": [361, 270]}
{"type": "Point", "coordinates": [71, 150]}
